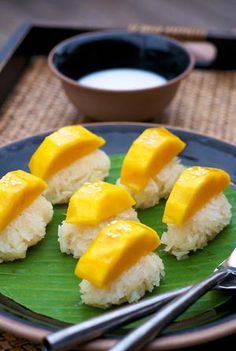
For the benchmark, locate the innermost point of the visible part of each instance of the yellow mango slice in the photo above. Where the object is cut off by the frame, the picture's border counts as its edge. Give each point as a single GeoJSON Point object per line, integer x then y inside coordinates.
{"type": "Point", "coordinates": [18, 190]}
{"type": "Point", "coordinates": [195, 187]}
{"type": "Point", "coordinates": [97, 201]}
{"type": "Point", "coordinates": [61, 148]}
{"type": "Point", "coordinates": [116, 248]}
{"type": "Point", "coordinates": [148, 154]}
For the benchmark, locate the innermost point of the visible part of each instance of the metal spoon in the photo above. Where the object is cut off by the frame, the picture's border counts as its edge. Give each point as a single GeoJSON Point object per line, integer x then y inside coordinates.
{"type": "Point", "coordinates": [81, 333]}
{"type": "Point", "coordinates": [148, 331]}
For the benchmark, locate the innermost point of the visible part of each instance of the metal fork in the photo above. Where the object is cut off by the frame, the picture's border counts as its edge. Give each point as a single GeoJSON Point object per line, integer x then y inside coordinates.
{"type": "Point", "coordinates": [148, 331]}
{"type": "Point", "coordinates": [81, 333]}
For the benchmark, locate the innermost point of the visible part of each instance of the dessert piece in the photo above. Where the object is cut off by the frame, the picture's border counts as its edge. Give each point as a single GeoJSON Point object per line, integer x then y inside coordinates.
{"type": "Point", "coordinates": [196, 210]}
{"type": "Point", "coordinates": [91, 208]}
{"type": "Point", "coordinates": [120, 265]}
{"type": "Point", "coordinates": [24, 214]}
{"type": "Point", "coordinates": [151, 166]}
{"type": "Point", "coordinates": [67, 159]}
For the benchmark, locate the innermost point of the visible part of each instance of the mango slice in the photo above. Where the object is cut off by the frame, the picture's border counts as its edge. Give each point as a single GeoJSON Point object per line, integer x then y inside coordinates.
{"type": "Point", "coordinates": [116, 249]}
{"type": "Point", "coordinates": [97, 201]}
{"type": "Point", "coordinates": [18, 190]}
{"type": "Point", "coordinates": [195, 187]}
{"type": "Point", "coordinates": [60, 149]}
{"type": "Point", "coordinates": [148, 154]}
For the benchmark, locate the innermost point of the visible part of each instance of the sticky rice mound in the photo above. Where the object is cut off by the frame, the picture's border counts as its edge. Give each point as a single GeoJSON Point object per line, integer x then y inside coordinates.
{"type": "Point", "coordinates": [130, 286]}
{"type": "Point", "coordinates": [198, 230]}
{"type": "Point", "coordinates": [64, 183]}
{"type": "Point", "coordinates": [158, 187]}
{"type": "Point", "coordinates": [26, 230]}
{"type": "Point", "coordinates": [75, 238]}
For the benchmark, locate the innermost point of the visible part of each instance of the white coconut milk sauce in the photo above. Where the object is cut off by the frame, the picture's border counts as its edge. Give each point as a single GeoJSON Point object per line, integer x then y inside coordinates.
{"type": "Point", "coordinates": [122, 79]}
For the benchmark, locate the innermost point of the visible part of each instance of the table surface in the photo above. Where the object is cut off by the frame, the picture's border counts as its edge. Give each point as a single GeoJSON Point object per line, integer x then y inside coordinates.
{"type": "Point", "coordinates": [215, 14]}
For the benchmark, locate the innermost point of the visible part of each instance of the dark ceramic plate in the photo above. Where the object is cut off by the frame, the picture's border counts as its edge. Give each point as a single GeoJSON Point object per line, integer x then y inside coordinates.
{"type": "Point", "coordinates": [201, 150]}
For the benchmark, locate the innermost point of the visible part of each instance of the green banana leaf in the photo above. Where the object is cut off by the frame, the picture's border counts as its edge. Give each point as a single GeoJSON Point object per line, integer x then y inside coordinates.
{"type": "Point", "coordinates": [45, 283]}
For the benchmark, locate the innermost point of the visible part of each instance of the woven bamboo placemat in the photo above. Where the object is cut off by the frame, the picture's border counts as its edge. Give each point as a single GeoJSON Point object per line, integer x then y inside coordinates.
{"type": "Point", "coordinates": [205, 103]}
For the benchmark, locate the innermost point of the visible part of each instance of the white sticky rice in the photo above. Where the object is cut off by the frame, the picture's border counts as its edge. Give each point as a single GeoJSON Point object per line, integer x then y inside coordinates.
{"type": "Point", "coordinates": [198, 230]}
{"type": "Point", "coordinates": [130, 286]}
{"type": "Point", "coordinates": [75, 238]}
{"type": "Point", "coordinates": [158, 187]}
{"type": "Point", "coordinates": [26, 230]}
{"type": "Point", "coordinates": [64, 183]}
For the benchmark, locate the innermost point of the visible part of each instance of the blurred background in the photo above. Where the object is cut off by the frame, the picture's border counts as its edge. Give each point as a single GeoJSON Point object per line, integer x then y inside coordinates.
{"type": "Point", "coordinates": [213, 14]}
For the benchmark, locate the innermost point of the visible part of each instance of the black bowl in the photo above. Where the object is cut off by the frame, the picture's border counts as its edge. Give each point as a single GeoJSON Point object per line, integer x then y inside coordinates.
{"type": "Point", "coordinates": [87, 53]}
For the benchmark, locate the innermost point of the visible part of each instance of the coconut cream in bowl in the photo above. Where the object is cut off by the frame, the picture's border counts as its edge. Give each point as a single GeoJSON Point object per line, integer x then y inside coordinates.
{"type": "Point", "coordinates": [120, 75]}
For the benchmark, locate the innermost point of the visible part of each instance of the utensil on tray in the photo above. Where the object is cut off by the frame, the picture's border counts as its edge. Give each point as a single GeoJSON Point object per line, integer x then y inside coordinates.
{"type": "Point", "coordinates": [224, 277]}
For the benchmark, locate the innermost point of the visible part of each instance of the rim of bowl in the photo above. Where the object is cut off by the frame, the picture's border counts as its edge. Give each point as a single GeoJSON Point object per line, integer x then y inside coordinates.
{"type": "Point", "coordinates": [73, 82]}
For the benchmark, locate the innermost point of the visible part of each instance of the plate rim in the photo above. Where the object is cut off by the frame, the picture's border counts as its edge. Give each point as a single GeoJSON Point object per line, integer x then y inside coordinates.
{"type": "Point", "coordinates": [190, 337]}
{"type": "Point", "coordinates": [140, 124]}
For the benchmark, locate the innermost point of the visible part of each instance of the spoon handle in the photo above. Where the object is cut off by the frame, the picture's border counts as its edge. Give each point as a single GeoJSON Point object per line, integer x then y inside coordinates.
{"type": "Point", "coordinates": [140, 337]}
{"type": "Point", "coordinates": [95, 327]}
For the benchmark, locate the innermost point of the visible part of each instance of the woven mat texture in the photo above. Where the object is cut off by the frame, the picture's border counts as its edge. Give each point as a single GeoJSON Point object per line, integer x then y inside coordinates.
{"type": "Point", "coordinates": [205, 103]}
{"type": "Point", "coordinates": [9, 342]}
